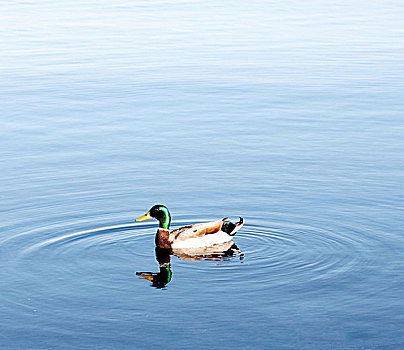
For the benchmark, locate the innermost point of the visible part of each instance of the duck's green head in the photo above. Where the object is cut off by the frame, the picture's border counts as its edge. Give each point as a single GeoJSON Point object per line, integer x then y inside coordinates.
{"type": "Point", "coordinates": [159, 212]}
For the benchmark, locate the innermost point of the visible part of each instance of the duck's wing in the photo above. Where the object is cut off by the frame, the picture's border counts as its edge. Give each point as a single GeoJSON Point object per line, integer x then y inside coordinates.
{"type": "Point", "coordinates": [196, 230]}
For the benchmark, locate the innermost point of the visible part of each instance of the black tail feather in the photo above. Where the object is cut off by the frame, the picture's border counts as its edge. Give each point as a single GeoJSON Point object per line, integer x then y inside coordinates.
{"type": "Point", "coordinates": [229, 227]}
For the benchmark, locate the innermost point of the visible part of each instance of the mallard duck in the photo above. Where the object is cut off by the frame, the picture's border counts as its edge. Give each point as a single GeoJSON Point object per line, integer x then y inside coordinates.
{"type": "Point", "coordinates": [192, 236]}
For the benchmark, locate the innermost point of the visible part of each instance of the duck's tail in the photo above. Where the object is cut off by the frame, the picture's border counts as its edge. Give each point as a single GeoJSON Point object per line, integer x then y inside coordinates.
{"type": "Point", "coordinates": [230, 228]}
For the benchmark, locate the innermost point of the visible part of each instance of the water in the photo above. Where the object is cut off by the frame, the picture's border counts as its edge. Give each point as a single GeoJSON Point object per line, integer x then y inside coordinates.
{"type": "Point", "coordinates": [290, 115]}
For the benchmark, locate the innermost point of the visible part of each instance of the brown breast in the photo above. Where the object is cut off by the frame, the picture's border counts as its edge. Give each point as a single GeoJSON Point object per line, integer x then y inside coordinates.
{"type": "Point", "coordinates": [162, 238]}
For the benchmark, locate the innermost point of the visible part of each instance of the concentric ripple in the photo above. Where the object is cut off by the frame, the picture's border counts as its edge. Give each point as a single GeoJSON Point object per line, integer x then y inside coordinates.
{"type": "Point", "coordinates": [273, 253]}
{"type": "Point", "coordinates": [113, 239]}
{"type": "Point", "coordinates": [284, 251]}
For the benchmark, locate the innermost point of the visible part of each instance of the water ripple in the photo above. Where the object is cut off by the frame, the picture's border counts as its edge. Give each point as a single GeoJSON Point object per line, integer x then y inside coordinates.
{"type": "Point", "coordinates": [275, 252]}
{"type": "Point", "coordinates": [286, 251]}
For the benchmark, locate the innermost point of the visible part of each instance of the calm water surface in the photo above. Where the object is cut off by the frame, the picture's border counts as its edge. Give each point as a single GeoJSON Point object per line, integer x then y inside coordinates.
{"type": "Point", "coordinates": [288, 114]}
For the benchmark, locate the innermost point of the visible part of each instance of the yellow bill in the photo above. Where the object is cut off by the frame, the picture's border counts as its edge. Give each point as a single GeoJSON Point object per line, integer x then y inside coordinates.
{"type": "Point", "coordinates": [145, 275]}
{"type": "Point", "coordinates": [145, 217]}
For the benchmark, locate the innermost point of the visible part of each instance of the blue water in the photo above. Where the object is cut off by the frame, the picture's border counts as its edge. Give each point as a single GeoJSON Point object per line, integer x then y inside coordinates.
{"type": "Point", "coordinates": [287, 114]}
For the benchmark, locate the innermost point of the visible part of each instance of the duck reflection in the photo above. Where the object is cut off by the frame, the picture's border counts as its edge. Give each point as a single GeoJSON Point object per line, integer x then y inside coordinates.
{"type": "Point", "coordinates": [163, 277]}
{"type": "Point", "coordinates": [219, 252]}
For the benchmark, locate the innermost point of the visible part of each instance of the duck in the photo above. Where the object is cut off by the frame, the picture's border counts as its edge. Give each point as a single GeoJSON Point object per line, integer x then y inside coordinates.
{"type": "Point", "coordinates": [191, 236]}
